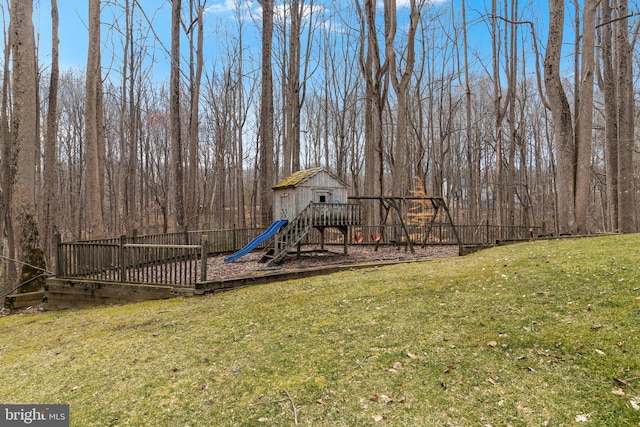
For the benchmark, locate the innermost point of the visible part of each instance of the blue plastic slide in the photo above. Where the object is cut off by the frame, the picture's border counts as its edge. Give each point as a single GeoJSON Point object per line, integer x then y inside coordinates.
{"type": "Point", "coordinates": [273, 229]}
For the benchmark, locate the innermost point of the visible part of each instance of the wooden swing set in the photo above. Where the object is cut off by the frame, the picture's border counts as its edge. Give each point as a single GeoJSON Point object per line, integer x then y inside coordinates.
{"type": "Point", "coordinates": [391, 202]}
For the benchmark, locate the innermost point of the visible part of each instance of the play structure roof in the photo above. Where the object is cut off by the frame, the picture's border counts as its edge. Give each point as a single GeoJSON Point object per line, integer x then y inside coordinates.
{"type": "Point", "coordinates": [301, 176]}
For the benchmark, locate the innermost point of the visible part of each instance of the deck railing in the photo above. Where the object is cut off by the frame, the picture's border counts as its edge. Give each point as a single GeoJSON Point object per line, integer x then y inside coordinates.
{"type": "Point", "coordinates": [336, 214]}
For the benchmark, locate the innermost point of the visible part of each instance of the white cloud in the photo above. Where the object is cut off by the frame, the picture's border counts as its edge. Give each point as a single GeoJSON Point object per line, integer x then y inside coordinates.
{"type": "Point", "coordinates": [224, 6]}
{"type": "Point", "coordinates": [221, 7]}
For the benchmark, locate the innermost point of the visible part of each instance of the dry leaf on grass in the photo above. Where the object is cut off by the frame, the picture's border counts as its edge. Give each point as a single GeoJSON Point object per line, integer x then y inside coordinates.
{"type": "Point", "coordinates": [381, 398]}
{"type": "Point", "coordinates": [619, 392]}
{"type": "Point", "coordinates": [621, 381]}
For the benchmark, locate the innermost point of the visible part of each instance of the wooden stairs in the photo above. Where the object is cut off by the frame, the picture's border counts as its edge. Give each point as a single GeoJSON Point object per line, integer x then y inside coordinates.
{"type": "Point", "coordinates": [315, 215]}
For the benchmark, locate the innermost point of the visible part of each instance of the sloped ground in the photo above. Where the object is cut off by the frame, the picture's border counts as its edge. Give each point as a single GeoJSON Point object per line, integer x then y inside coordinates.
{"type": "Point", "coordinates": [542, 333]}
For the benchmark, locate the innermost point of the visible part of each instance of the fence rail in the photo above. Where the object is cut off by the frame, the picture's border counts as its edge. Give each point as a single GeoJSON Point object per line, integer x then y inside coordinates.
{"type": "Point", "coordinates": [438, 234]}
{"type": "Point", "coordinates": [132, 263]}
{"type": "Point", "coordinates": [180, 258]}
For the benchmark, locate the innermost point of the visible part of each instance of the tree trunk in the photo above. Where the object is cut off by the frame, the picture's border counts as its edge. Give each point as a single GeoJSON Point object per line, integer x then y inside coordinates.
{"type": "Point", "coordinates": [561, 115]}
{"type": "Point", "coordinates": [373, 72]}
{"type": "Point", "coordinates": [584, 119]}
{"type": "Point", "coordinates": [499, 112]}
{"type": "Point", "coordinates": [471, 151]}
{"type": "Point", "coordinates": [240, 119]}
{"type": "Point", "coordinates": [49, 211]}
{"type": "Point", "coordinates": [24, 122]}
{"type": "Point", "coordinates": [92, 125]}
{"type": "Point", "coordinates": [7, 171]}
{"type": "Point", "coordinates": [608, 88]}
{"type": "Point", "coordinates": [266, 178]}
{"type": "Point", "coordinates": [625, 103]}
{"type": "Point", "coordinates": [174, 112]}
{"type": "Point", "coordinates": [401, 180]}
{"type": "Point", "coordinates": [133, 217]}
{"type": "Point", "coordinates": [291, 146]}
{"type": "Point", "coordinates": [192, 187]}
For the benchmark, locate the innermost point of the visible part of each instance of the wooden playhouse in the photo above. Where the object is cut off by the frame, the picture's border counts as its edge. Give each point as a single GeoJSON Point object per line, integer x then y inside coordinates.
{"type": "Point", "coordinates": [311, 198]}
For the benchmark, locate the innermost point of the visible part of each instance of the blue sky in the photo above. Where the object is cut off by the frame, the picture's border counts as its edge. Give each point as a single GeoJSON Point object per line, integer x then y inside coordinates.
{"type": "Point", "coordinates": [220, 13]}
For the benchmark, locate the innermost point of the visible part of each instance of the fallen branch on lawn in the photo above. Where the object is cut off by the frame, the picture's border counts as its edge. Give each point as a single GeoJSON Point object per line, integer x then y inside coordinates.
{"type": "Point", "coordinates": [293, 405]}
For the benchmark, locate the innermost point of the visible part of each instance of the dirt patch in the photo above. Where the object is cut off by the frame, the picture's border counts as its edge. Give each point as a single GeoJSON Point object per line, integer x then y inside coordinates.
{"type": "Point", "coordinates": [332, 255]}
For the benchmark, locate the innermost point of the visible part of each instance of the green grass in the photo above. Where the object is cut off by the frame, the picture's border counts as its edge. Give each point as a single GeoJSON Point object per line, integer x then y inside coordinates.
{"type": "Point", "coordinates": [540, 333]}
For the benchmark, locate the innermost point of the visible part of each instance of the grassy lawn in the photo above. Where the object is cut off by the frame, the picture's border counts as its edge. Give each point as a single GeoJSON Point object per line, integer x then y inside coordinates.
{"type": "Point", "coordinates": [533, 334]}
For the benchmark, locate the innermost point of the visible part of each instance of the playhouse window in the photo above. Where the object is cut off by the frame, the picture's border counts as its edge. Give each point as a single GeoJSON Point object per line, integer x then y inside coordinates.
{"type": "Point", "coordinates": [323, 198]}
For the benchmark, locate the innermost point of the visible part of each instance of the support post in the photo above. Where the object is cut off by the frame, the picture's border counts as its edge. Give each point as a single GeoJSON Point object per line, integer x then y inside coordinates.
{"type": "Point", "coordinates": [345, 234]}
{"type": "Point", "coordinates": [121, 258]}
{"type": "Point", "coordinates": [392, 203]}
{"type": "Point", "coordinates": [203, 257]}
{"type": "Point", "coordinates": [57, 239]}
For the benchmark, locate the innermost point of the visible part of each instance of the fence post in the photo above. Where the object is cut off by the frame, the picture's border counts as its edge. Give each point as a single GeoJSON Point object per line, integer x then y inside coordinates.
{"type": "Point", "coordinates": [57, 239]}
{"type": "Point", "coordinates": [488, 240]}
{"type": "Point", "coordinates": [121, 257]}
{"type": "Point", "coordinates": [203, 257]}
{"type": "Point", "coordinates": [234, 239]}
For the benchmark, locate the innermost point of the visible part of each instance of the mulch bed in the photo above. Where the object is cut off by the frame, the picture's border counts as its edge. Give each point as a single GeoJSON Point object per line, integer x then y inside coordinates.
{"type": "Point", "coordinates": [332, 255]}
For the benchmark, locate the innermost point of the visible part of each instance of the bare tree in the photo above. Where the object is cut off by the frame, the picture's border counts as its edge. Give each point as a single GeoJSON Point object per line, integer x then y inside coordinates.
{"type": "Point", "coordinates": [374, 72]}
{"type": "Point", "coordinates": [625, 112]}
{"type": "Point", "coordinates": [607, 82]}
{"type": "Point", "coordinates": [24, 125]}
{"type": "Point", "coordinates": [266, 164]}
{"type": "Point", "coordinates": [471, 151]}
{"type": "Point", "coordinates": [174, 110]}
{"type": "Point", "coordinates": [192, 203]}
{"type": "Point", "coordinates": [7, 166]}
{"type": "Point", "coordinates": [562, 121]}
{"type": "Point", "coordinates": [93, 126]}
{"type": "Point", "coordinates": [49, 212]}
{"type": "Point", "coordinates": [298, 21]}
{"type": "Point", "coordinates": [291, 143]}
{"type": "Point", "coordinates": [126, 175]}
{"type": "Point", "coordinates": [400, 181]}
{"type": "Point", "coordinates": [584, 118]}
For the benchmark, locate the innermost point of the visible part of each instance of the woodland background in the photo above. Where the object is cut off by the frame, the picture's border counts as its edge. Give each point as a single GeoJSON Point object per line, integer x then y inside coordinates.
{"type": "Point", "coordinates": [516, 113]}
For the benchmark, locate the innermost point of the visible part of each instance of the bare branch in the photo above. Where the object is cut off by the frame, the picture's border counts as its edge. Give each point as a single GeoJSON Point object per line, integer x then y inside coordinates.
{"type": "Point", "coordinates": [293, 406]}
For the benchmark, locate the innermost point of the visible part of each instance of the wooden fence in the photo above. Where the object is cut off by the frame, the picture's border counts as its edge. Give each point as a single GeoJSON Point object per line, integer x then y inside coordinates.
{"type": "Point", "coordinates": [180, 258]}
{"type": "Point", "coordinates": [438, 234]}
{"type": "Point", "coordinates": [123, 262]}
